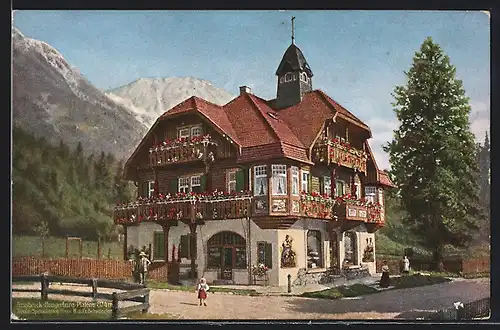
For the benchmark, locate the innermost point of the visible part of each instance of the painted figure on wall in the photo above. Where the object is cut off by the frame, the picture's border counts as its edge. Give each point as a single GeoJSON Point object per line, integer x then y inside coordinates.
{"type": "Point", "coordinates": [287, 254]}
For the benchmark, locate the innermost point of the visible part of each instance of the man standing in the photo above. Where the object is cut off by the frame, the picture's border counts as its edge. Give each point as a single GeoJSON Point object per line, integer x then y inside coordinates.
{"type": "Point", "coordinates": [143, 267]}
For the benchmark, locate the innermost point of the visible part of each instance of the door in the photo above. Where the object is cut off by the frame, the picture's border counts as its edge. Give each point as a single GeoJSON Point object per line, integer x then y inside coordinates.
{"type": "Point", "coordinates": [227, 263]}
{"type": "Point", "coordinates": [334, 252]}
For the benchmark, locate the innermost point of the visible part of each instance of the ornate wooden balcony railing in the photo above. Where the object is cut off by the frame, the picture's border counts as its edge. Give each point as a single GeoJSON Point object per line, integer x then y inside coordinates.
{"type": "Point", "coordinates": [334, 151]}
{"type": "Point", "coordinates": [180, 151]}
{"type": "Point", "coordinates": [316, 206]}
{"type": "Point", "coordinates": [213, 206]}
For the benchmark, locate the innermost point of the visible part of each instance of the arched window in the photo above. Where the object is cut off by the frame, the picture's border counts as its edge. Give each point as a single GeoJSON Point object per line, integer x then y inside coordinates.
{"type": "Point", "coordinates": [303, 76]}
{"type": "Point", "coordinates": [288, 77]}
{"type": "Point", "coordinates": [350, 248]}
{"type": "Point", "coordinates": [282, 79]}
{"type": "Point", "coordinates": [226, 250]}
{"type": "Point", "coordinates": [314, 249]}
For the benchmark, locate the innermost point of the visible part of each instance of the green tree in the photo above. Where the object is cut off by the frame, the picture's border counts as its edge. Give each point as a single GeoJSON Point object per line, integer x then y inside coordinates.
{"type": "Point", "coordinates": [483, 181]}
{"type": "Point", "coordinates": [433, 153]}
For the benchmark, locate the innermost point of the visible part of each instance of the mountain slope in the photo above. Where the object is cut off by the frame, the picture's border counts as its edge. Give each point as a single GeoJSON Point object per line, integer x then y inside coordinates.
{"type": "Point", "coordinates": [151, 97]}
{"type": "Point", "coordinates": [53, 100]}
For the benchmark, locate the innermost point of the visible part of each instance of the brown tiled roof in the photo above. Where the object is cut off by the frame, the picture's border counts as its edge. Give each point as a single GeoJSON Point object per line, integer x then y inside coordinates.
{"type": "Point", "coordinates": [262, 132]}
{"type": "Point", "coordinates": [385, 180]}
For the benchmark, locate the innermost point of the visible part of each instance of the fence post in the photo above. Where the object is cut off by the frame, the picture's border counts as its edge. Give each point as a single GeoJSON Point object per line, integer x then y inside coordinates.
{"type": "Point", "coordinates": [146, 301]}
{"type": "Point", "coordinates": [114, 308]}
{"type": "Point", "coordinates": [43, 286]}
{"type": "Point", "coordinates": [289, 283]}
{"type": "Point", "coordinates": [94, 288]}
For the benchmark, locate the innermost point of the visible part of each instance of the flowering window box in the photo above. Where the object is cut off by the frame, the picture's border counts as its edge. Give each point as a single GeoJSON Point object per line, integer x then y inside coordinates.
{"type": "Point", "coordinates": [315, 205]}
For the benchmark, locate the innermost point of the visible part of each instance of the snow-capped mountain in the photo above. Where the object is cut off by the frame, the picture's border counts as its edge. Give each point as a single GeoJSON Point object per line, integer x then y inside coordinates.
{"type": "Point", "coordinates": [151, 97]}
{"type": "Point", "coordinates": [54, 100]}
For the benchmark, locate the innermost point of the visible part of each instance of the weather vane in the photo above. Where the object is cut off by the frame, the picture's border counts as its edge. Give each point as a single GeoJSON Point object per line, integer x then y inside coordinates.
{"type": "Point", "coordinates": [293, 18]}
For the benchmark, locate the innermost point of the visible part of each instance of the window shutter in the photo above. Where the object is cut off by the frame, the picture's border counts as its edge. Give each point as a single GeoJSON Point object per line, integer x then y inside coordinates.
{"type": "Point", "coordinates": [203, 182]}
{"type": "Point", "coordinates": [321, 185]}
{"type": "Point", "coordinates": [144, 189]}
{"type": "Point", "coordinates": [159, 248]}
{"type": "Point", "coordinates": [174, 185]}
{"type": "Point", "coordinates": [184, 246]}
{"type": "Point", "coordinates": [240, 180]}
{"type": "Point", "coordinates": [269, 255]}
{"type": "Point", "coordinates": [309, 183]}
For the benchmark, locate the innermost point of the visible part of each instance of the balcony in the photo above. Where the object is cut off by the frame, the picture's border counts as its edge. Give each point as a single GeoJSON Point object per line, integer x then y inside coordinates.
{"type": "Point", "coordinates": [316, 206]}
{"type": "Point", "coordinates": [179, 151]}
{"type": "Point", "coordinates": [334, 151]}
{"type": "Point", "coordinates": [191, 207]}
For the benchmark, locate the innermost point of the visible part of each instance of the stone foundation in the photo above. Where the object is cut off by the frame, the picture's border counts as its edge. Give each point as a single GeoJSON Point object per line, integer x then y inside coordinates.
{"type": "Point", "coordinates": [328, 277]}
{"type": "Point", "coordinates": [355, 273]}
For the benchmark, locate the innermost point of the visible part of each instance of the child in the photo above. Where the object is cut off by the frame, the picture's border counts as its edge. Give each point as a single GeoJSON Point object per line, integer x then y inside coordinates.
{"type": "Point", "coordinates": [202, 291]}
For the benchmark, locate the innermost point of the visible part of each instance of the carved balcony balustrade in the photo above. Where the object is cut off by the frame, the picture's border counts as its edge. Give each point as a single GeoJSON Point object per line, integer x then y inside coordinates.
{"type": "Point", "coordinates": [181, 150]}
{"type": "Point", "coordinates": [334, 151]}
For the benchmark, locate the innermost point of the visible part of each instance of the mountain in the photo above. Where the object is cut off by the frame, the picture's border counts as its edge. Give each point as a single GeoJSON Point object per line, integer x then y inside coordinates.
{"type": "Point", "coordinates": [151, 97]}
{"type": "Point", "coordinates": [52, 99]}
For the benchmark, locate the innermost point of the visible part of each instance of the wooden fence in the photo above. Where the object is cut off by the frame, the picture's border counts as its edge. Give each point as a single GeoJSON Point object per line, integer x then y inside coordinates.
{"type": "Point", "coordinates": [465, 267]}
{"type": "Point", "coordinates": [469, 311]}
{"type": "Point", "coordinates": [85, 268]}
{"type": "Point", "coordinates": [133, 292]}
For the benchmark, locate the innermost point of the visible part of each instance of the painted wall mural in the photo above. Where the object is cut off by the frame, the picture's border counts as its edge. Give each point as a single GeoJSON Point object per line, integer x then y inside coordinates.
{"type": "Point", "coordinates": [287, 253]}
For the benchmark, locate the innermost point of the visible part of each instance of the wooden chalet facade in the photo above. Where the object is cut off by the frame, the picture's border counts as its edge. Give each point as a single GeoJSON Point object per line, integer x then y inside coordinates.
{"type": "Point", "coordinates": [290, 183]}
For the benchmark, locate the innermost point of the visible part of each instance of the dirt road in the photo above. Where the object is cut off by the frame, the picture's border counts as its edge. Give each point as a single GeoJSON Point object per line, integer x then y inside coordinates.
{"type": "Point", "coordinates": [408, 303]}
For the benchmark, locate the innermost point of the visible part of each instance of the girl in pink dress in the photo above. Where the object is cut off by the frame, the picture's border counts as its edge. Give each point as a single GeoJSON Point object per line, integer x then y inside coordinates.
{"type": "Point", "coordinates": [202, 291]}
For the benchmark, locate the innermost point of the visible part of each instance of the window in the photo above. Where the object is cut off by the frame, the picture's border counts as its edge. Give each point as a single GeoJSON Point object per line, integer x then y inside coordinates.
{"type": "Point", "coordinates": [183, 132]}
{"type": "Point", "coordinates": [196, 184]}
{"type": "Point", "coordinates": [159, 246]}
{"type": "Point", "coordinates": [282, 79]}
{"type": "Point", "coordinates": [339, 188]}
{"type": "Point", "coordinates": [187, 248]}
{"type": "Point", "coordinates": [305, 181]}
{"type": "Point", "coordinates": [227, 248]}
{"type": "Point", "coordinates": [327, 185]}
{"type": "Point", "coordinates": [350, 256]}
{"type": "Point", "coordinates": [357, 185]}
{"type": "Point", "coordinates": [279, 179]}
{"type": "Point", "coordinates": [288, 77]}
{"type": "Point", "coordinates": [184, 185]}
{"type": "Point", "coordinates": [371, 194]}
{"type": "Point", "coordinates": [314, 250]}
{"type": "Point", "coordinates": [265, 254]}
{"type": "Point", "coordinates": [231, 181]}
{"type": "Point", "coordinates": [303, 77]}
{"type": "Point", "coordinates": [151, 188]}
{"type": "Point", "coordinates": [294, 76]}
{"type": "Point", "coordinates": [295, 180]}
{"type": "Point", "coordinates": [381, 197]}
{"type": "Point", "coordinates": [196, 130]}
{"type": "Point", "coordinates": [260, 183]}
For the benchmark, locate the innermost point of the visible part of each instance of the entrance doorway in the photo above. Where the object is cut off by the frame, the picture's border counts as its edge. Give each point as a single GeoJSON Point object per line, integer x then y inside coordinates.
{"type": "Point", "coordinates": [226, 252]}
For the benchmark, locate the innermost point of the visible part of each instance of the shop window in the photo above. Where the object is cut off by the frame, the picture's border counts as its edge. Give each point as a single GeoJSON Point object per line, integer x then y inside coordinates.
{"type": "Point", "coordinates": [314, 250]}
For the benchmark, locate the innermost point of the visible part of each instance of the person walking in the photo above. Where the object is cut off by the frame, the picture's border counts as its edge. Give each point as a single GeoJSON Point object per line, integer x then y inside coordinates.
{"type": "Point", "coordinates": [384, 280]}
{"type": "Point", "coordinates": [406, 265]}
{"type": "Point", "coordinates": [202, 289]}
{"type": "Point", "coordinates": [144, 265]}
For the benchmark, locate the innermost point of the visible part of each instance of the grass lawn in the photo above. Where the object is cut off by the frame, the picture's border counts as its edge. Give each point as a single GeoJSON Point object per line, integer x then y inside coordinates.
{"type": "Point", "coordinates": [56, 247]}
{"type": "Point", "coordinates": [163, 285]}
{"type": "Point", "coordinates": [32, 309]}
{"type": "Point", "coordinates": [355, 290]}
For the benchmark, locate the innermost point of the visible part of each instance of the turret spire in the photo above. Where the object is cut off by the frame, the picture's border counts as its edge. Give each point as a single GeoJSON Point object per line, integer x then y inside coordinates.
{"type": "Point", "coordinates": [293, 37]}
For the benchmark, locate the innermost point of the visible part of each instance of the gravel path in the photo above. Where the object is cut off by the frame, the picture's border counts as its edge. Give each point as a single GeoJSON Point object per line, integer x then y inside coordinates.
{"type": "Point", "coordinates": [408, 303]}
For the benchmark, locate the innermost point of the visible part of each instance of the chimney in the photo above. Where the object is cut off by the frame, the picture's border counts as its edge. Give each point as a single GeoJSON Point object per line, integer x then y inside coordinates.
{"type": "Point", "coordinates": [245, 90]}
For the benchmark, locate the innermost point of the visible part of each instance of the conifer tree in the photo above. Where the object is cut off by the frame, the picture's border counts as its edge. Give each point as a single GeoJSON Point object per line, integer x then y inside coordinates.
{"type": "Point", "coordinates": [433, 153]}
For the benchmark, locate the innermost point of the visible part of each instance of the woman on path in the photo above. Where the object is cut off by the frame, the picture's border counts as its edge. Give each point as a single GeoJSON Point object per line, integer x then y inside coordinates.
{"type": "Point", "coordinates": [384, 280]}
{"type": "Point", "coordinates": [406, 265]}
{"type": "Point", "coordinates": [202, 291]}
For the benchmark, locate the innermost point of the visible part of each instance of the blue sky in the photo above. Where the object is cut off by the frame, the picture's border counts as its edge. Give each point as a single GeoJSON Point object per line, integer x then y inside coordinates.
{"type": "Point", "coordinates": [357, 57]}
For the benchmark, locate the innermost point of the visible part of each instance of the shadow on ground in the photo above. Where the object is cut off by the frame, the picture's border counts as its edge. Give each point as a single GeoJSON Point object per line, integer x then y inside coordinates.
{"type": "Point", "coordinates": [403, 301]}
